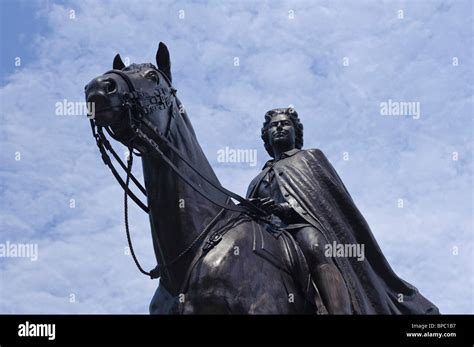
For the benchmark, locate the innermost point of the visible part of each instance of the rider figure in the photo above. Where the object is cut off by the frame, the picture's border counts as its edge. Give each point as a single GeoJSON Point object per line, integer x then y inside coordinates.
{"type": "Point", "coordinates": [282, 134]}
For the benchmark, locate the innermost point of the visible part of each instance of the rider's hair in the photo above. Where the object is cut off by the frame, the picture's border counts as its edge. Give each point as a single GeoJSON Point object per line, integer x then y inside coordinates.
{"type": "Point", "coordinates": [291, 112]}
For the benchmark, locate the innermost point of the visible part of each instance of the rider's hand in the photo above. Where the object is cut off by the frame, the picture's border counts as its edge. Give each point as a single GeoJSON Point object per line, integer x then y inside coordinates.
{"type": "Point", "coordinates": [255, 201]}
{"type": "Point", "coordinates": [269, 206]}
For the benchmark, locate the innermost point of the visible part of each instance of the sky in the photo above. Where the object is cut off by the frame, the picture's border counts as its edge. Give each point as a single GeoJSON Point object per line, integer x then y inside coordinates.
{"type": "Point", "coordinates": [336, 62]}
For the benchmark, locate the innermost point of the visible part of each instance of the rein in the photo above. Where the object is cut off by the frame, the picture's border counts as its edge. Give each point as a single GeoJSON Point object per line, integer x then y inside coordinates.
{"type": "Point", "coordinates": [137, 109]}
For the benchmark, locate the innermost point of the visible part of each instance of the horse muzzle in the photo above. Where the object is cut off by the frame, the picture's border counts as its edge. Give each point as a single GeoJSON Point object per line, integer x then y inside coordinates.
{"type": "Point", "coordinates": [103, 101]}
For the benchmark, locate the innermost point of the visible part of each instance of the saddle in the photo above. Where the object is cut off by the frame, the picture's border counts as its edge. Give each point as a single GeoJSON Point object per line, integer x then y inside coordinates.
{"type": "Point", "coordinates": [288, 257]}
{"type": "Point", "coordinates": [293, 261]}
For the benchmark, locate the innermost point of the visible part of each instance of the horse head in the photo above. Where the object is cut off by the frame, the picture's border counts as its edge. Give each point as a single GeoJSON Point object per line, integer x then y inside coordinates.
{"type": "Point", "coordinates": [142, 90]}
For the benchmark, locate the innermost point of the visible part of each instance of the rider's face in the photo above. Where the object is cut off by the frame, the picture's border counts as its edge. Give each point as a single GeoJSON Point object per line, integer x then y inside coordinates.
{"type": "Point", "coordinates": [281, 131]}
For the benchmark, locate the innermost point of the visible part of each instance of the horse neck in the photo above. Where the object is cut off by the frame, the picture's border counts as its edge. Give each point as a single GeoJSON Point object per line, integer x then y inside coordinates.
{"type": "Point", "coordinates": [178, 214]}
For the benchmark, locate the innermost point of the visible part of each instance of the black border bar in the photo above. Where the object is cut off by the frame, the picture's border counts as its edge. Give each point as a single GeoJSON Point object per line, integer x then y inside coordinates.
{"type": "Point", "coordinates": [143, 329]}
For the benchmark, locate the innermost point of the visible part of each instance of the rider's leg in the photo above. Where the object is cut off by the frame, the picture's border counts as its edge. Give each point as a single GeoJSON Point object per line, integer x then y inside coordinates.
{"type": "Point", "coordinates": [327, 276]}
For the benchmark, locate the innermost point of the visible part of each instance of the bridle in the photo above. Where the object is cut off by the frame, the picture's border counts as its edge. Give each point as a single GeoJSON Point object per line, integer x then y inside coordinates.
{"type": "Point", "coordinates": [139, 104]}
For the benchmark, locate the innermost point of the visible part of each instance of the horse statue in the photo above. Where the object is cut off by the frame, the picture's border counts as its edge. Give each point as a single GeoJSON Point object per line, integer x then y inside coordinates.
{"type": "Point", "coordinates": [214, 256]}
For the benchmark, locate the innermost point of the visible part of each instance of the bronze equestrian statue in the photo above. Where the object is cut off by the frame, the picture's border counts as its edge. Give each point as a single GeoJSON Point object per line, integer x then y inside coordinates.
{"type": "Point", "coordinates": [215, 256]}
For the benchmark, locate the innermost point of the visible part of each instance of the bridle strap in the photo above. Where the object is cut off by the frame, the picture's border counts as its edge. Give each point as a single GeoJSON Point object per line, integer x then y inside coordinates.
{"type": "Point", "coordinates": [108, 146]}
{"type": "Point", "coordinates": [102, 141]}
{"type": "Point", "coordinates": [125, 211]}
{"type": "Point", "coordinates": [163, 140]}
{"type": "Point", "coordinates": [193, 185]}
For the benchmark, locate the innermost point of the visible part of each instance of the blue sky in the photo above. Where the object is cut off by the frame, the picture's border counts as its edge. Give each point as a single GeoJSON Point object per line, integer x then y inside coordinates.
{"type": "Point", "coordinates": [289, 53]}
{"type": "Point", "coordinates": [17, 34]}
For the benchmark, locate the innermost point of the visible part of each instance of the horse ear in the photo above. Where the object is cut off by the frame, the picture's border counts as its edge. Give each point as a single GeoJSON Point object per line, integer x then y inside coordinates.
{"type": "Point", "coordinates": [118, 63]}
{"type": "Point", "coordinates": [163, 60]}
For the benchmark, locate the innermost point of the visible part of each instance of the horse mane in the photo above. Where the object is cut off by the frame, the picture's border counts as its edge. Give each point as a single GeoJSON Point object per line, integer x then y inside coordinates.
{"type": "Point", "coordinates": [138, 67]}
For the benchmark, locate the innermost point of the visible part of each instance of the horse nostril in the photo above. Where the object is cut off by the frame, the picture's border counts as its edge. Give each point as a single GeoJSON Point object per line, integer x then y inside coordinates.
{"type": "Point", "coordinates": [97, 99]}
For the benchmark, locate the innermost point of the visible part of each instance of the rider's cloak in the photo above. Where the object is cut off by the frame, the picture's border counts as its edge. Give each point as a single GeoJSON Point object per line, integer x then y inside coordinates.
{"type": "Point", "coordinates": [312, 187]}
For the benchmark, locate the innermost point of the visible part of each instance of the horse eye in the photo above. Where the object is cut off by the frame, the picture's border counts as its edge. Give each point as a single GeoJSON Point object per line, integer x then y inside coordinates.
{"type": "Point", "coordinates": [152, 75]}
